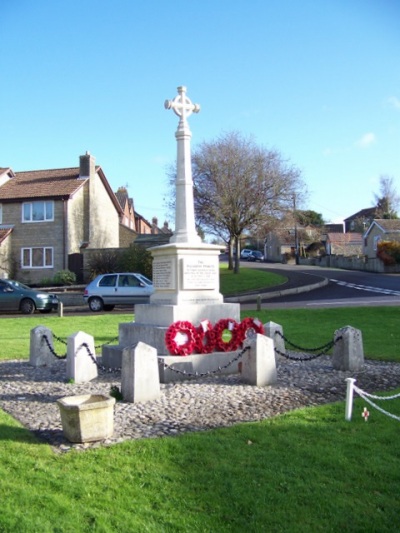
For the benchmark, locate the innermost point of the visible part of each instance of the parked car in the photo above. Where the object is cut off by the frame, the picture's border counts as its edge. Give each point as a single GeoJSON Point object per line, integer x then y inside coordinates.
{"type": "Point", "coordinates": [255, 256]}
{"type": "Point", "coordinates": [244, 254]}
{"type": "Point", "coordinates": [15, 296]}
{"type": "Point", "coordinates": [108, 290]}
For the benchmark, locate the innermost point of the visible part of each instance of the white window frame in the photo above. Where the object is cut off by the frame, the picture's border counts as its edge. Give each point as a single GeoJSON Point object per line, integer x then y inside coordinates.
{"type": "Point", "coordinates": [30, 206]}
{"type": "Point", "coordinates": [30, 251]}
{"type": "Point", "coordinates": [377, 238]}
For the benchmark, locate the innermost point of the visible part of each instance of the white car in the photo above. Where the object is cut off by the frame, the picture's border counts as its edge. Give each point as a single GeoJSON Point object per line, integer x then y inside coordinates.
{"type": "Point", "coordinates": [126, 288]}
{"type": "Point", "coordinates": [245, 253]}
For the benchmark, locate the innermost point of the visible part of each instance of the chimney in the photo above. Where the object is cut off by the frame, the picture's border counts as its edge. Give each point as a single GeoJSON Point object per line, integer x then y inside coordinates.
{"type": "Point", "coordinates": [87, 166]}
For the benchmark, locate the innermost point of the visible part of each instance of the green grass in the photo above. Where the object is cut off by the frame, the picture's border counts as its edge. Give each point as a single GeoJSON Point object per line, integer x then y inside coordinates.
{"type": "Point", "coordinates": [248, 279]}
{"type": "Point", "coordinates": [307, 328]}
{"type": "Point", "coordinates": [15, 332]}
{"type": "Point", "coordinates": [308, 470]}
{"type": "Point", "coordinates": [314, 327]}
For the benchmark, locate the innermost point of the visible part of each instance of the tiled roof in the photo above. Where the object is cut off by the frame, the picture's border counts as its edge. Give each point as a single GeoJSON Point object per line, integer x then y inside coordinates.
{"type": "Point", "coordinates": [364, 213]}
{"type": "Point", "coordinates": [56, 183]}
{"type": "Point", "coordinates": [5, 232]}
{"type": "Point", "coordinates": [388, 225]}
{"type": "Point", "coordinates": [345, 238]}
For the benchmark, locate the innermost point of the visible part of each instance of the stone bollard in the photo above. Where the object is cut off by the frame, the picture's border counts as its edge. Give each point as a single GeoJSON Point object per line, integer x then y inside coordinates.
{"type": "Point", "coordinates": [140, 381]}
{"type": "Point", "coordinates": [271, 329]}
{"type": "Point", "coordinates": [348, 352]}
{"type": "Point", "coordinates": [40, 353]}
{"type": "Point", "coordinates": [80, 366]}
{"type": "Point", "coordinates": [258, 363]}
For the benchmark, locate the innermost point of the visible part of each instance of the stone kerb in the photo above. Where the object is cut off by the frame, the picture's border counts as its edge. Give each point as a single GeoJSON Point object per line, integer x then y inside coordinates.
{"type": "Point", "coordinates": [80, 366]}
{"type": "Point", "coordinates": [348, 351]}
{"type": "Point", "coordinates": [40, 353]}
{"type": "Point", "coordinates": [140, 380]}
{"type": "Point", "coordinates": [258, 363]}
{"type": "Point", "coordinates": [275, 332]}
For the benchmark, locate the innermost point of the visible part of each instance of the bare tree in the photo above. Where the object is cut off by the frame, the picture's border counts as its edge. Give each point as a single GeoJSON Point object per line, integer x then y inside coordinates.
{"type": "Point", "coordinates": [239, 186]}
{"type": "Point", "coordinates": [387, 201]}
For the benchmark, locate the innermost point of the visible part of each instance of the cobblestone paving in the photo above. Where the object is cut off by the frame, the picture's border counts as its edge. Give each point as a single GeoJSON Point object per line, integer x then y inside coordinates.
{"type": "Point", "coordinates": [29, 395]}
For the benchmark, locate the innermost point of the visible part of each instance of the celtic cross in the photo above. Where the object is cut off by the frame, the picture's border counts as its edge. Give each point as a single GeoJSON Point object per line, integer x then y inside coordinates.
{"type": "Point", "coordinates": [181, 105]}
{"type": "Point", "coordinates": [185, 229]}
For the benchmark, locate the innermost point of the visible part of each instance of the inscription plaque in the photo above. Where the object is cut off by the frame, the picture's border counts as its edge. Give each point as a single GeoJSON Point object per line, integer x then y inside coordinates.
{"type": "Point", "coordinates": [199, 274]}
{"type": "Point", "coordinates": [163, 277]}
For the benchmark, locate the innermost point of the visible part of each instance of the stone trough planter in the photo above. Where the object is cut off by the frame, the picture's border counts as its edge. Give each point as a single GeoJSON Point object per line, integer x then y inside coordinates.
{"type": "Point", "coordinates": [87, 418]}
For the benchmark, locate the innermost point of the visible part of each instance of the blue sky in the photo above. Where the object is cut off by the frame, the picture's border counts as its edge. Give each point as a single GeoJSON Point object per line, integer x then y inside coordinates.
{"type": "Point", "coordinates": [318, 80]}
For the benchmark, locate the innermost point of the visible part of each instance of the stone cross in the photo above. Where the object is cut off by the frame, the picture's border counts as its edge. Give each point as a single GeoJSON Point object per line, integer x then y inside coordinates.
{"type": "Point", "coordinates": [185, 228]}
{"type": "Point", "coordinates": [181, 105]}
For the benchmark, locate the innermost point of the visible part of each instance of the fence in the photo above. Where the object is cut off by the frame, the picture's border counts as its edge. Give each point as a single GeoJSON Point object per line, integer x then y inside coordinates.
{"type": "Point", "coordinates": [352, 388]}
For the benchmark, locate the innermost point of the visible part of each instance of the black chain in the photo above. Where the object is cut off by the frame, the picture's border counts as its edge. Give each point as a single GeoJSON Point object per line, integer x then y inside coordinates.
{"type": "Point", "coordinates": [210, 372]}
{"type": "Point", "coordinates": [328, 346]}
{"type": "Point", "coordinates": [59, 339]}
{"type": "Point", "coordinates": [325, 347]}
{"type": "Point", "coordinates": [94, 360]}
{"type": "Point", "coordinates": [106, 343]}
{"type": "Point", "coordinates": [50, 347]}
{"type": "Point", "coordinates": [301, 359]}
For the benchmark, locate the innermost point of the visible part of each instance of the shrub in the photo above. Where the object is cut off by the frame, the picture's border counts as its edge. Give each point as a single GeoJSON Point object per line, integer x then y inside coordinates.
{"type": "Point", "coordinates": [64, 277]}
{"type": "Point", "coordinates": [389, 252]}
{"type": "Point", "coordinates": [102, 262]}
{"type": "Point", "coordinates": [136, 259]}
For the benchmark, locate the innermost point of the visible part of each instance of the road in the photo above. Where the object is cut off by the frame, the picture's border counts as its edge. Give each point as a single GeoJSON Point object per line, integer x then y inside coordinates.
{"type": "Point", "coordinates": [345, 288]}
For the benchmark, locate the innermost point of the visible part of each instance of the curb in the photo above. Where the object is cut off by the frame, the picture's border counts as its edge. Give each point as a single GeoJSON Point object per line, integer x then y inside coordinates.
{"type": "Point", "coordinates": [276, 294]}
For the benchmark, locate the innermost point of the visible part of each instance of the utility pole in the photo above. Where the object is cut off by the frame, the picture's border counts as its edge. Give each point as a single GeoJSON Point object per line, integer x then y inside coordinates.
{"type": "Point", "coordinates": [296, 237]}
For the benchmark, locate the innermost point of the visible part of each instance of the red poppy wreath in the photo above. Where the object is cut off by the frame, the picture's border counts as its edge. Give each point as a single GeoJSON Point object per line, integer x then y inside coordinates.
{"type": "Point", "coordinates": [180, 338]}
{"type": "Point", "coordinates": [205, 342]}
{"type": "Point", "coordinates": [250, 326]}
{"type": "Point", "coordinates": [227, 335]}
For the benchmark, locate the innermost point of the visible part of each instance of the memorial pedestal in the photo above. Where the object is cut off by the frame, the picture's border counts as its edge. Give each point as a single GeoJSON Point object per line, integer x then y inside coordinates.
{"type": "Point", "coordinates": [186, 282]}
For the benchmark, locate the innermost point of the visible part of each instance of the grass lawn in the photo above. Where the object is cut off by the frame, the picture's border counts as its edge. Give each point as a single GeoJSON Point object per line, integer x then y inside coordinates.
{"type": "Point", "coordinates": [248, 279]}
{"type": "Point", "coordinates": [306, 471]}
{"type": "Point", "coordinates": [307, 328]}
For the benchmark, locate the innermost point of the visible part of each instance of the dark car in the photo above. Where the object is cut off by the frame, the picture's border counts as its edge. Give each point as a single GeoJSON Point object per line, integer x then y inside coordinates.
{"type": "Point", "coordinates": [15, 296]}
{"type": "Point", "coordinates": [108, 290]}
{"type": "Point", "coordinates": [255, 255]}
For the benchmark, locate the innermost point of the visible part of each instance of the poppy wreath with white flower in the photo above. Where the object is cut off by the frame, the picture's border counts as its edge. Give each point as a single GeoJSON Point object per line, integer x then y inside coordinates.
{"type": "Point", "coordinates": [227, 335]}
{"type": "Point", "coordinates": [180, 338]}
{"type": "Point", "coordinates": [205, 342]}
{"type": "Point", "coordinates": [250, 326]}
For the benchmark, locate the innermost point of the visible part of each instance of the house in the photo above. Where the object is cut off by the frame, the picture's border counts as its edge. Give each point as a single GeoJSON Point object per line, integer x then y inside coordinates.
{"type": "Point", "coordinates": [134, 226]}
{"type": "Point", "coordinates": [360, 221]}
{"type": "Point", "coordinates": [280, 244]}
{"type": "Point", "coordinates": [48, 216]}
{"type": "Point", "coordinates": [380, 230]}
{"type": "Point", "coordinates": [347, 244]}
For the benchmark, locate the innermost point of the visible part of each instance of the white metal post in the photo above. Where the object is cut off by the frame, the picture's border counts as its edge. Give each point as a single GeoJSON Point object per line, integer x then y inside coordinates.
{"type": "Point", "coordinates": [349, 398]}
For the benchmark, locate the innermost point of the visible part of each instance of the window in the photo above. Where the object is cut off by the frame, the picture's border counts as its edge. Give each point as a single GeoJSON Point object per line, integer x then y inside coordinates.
{"type": "Point", "coordinates": [37, 257]}
{"type": "Point", "coordinates": [108, 281]}
{"type": "Point", "coordinates": [37, 211]}
{"type": "Point", "coordinates": [1, 214]}
{"type": "Point", "coordinates": [377, 238]}
{"type": "Point", "coordinates": [128, 281]}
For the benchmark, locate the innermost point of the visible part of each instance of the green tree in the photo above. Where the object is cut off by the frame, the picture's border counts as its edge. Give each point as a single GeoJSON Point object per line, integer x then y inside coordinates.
{"type": "Point", "coordinates": [309, 218]}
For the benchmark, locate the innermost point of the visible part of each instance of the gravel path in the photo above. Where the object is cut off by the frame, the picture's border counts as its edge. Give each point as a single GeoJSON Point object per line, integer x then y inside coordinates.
{"type": "Point", "coordinates": [29, 394]}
